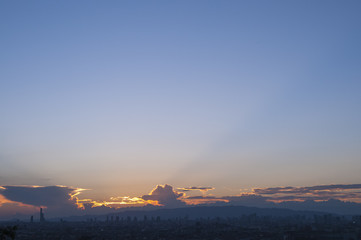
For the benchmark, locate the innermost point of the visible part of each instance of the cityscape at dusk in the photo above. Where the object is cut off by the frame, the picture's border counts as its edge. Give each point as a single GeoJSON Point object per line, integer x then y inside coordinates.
{"type": "Point", "coordinates": [114, 106]}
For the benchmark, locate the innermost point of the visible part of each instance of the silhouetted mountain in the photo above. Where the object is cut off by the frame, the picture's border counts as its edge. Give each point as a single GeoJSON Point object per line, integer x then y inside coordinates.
{"type": "Point", "coordinates": [201, 212]}
{"type": "Point", "coordinates": [222, 212]}
{"type": "Point", "coordinates": [330, 206]}
{"type": "Point", "coordinates": [236, 209]}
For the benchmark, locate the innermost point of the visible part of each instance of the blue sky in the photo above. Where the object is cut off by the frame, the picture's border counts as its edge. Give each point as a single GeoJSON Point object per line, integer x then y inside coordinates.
{"type": "Point", "coordinates": [119, 96]}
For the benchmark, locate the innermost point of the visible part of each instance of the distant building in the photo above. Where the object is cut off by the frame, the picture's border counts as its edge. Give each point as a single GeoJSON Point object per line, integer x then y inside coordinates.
{"type": "Point", "coordinates": [42, 219]}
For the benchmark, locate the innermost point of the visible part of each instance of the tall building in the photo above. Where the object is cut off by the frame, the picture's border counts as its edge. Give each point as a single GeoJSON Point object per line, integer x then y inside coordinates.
{"type": "Point", "coordinates": [42, 219]}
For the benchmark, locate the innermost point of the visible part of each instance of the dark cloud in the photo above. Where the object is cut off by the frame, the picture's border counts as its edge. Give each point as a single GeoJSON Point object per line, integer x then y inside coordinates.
{"type": "Point", "coordinates": [10, 209]}
{"type": "Point", "coordinates": [204, 200]}
{"type": "Point", "coordinates": [203, 189]}
{"type": "Point", "coordinates": [56, 199]}
{"type": "Point", "coordinates": [233, 199]}
{"type": "Point", "coordinates": [201, 197]}
{"type": "Point", "coordinates": [345, 192]}
{"type": "Point", "coordinates": [39, 196]}
{"type": "Point", "coordinates": [270, 197]}
{"type": "Point", "coordinates": [335, 187]}
{"type": "Point", "coordinates": [304, 190]}
{"type": "Point", "coordinates": [247, 199]}
{"type": "Point", "coordinates": [317, 197]}
{"type": "Point", "coordinates": [242, 200]}
{"type": "Point", "coordinates": [165, 195]}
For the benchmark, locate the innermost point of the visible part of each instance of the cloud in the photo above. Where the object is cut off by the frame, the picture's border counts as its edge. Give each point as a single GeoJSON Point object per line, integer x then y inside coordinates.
{"type": "Point", "coordinates": [202, 189]}
{"type": "Point", "coordinates": [242, 200]}
{"type": "Point", "coordinates": [40, 196]}
{"type": "Point", "coordinates": [316, 193]}
{"type": "Point", "coordinates": [127, 200]}
{"type": "Point", "coordinates": [202, 197]}
{"type": "Point", "coordinates": [56, 199]}
{"type": "Point", "coordinates": [114, 202]}
{"type": "Point", "coordinates": [9, 209]}
{"type": "Point", "coordinates": [165, 196]}
{"type": "Point", "coordinates": [303, 190]}
{"type": "Point", "coordinates": [268, 197]}
{"type": "Point", "coordinates": [60, 201]}
{"type": "Point", "coordinates": [250, 200]}
{"type": "Point", "coordinates": [207, 200]}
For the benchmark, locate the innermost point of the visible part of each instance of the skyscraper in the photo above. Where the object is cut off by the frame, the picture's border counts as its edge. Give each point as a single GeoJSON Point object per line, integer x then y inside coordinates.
{"type": "Point", "coordinates": [42, 219]}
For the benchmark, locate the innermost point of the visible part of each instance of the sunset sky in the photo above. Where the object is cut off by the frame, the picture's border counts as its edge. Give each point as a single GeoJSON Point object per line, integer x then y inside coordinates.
{"type": "Point", "coordinates": [108, 99]}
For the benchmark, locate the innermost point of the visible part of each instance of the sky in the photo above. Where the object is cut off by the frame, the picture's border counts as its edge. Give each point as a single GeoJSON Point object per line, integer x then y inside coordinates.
{"type": "Point", "coordinates": [118, 97]}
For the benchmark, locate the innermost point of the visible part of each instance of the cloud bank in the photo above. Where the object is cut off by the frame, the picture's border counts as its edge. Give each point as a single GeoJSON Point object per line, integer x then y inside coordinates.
{"type": "Point", "coordinates": [65, 201]}
{"type": "Point", "coordinates": [345, 192]}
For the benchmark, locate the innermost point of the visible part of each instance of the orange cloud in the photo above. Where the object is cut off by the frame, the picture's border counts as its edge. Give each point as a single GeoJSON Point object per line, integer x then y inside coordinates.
{"type": "Point", "coordinates": [196, 200]}
{"type": "Point", "coordinates": [10, 208]}
{"type": "Point", "coordinates": [117, 202]}
{"type": "Point", "coordinates": [202, 189]}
